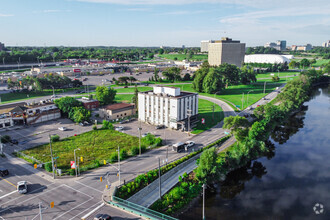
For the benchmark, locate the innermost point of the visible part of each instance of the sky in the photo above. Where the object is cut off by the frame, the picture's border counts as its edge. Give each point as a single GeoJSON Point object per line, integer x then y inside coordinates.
{"type": "Point", "coordinates": [162, 22]}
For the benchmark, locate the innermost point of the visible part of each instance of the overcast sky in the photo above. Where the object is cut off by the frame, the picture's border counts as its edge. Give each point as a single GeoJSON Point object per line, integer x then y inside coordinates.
{"type": "Point", "coordinates": [162, 22]}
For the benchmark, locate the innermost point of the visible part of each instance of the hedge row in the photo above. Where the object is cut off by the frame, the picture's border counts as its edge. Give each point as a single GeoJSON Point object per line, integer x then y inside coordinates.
{"type": "Point", "coordinates": [142, 180]}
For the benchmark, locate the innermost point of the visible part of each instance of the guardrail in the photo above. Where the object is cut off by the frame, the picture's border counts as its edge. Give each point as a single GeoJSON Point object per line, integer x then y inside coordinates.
{"type": "Point", "coordinates": [139, 210]}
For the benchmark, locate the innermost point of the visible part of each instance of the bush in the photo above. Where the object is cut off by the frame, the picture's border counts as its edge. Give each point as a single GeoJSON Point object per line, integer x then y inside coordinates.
{"type": "Point", "coordinates": [135, 150]}
{"type": "Point", "coordinates": [94, 127]}
{"type": "Point", "coordinates": [123, 154]}
{"type": "Point", "coordinates": [55, 138]}
{"type": "Point", "coordinates": [114, 157]}
{"type": "Point", "coordinates": [107, 125]}
{"type": "Point", "coordinates": [72, 172]}
{"type": "Point", "coordinates": [48, 167]}
{"type": "Point", "coordinates": [5, 139]}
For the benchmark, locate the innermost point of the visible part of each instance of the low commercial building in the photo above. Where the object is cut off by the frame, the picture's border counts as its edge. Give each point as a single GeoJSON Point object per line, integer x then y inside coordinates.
{"type": "Point", "coordinates": [278, 45]}
{"type": "Point", "coordinates": [117, 111]}
{"type": "Point", "coordinates": [168, 106]}
{"type": "Point", "coordinates": [226, 51]}
{"type": "Point", "coordinates": [266, 58]}
{"type": "Point", "coordinates": [306, 47]}
{"type": "Point", "coordinates": [90, 104]}
{"type": "Point", "coordinates": [326, 44]}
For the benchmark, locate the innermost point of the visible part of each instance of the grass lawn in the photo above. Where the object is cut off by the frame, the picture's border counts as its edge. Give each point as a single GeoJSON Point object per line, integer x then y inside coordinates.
{"type": "Point", "coordinates": [320, 62]}
{"type": "Point", "coordinates": [132, 89]}
{"type": "Point", "coordinates": [234, 94]}
{"type": "Point", "coordinates": [95, 147]}
{"type": "Point", "coordinates": [180, 57]}
{"type": "Point", "coordinates": [205, 110]}
{"type": "Point", "coordinates": [281, 75]}
{"type": "Point", "coordinates": [124, 98]}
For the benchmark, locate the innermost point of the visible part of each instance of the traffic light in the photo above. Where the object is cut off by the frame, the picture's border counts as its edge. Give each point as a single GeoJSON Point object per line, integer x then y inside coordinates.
{"type": "Point", "coordinates": [81, 159]}
{"type": "Point", "coordinates": [52, 204]}
{"type": "Point", "coordinates": [101, 178]}
{"type": "Point", "coordinates": [105, 162]}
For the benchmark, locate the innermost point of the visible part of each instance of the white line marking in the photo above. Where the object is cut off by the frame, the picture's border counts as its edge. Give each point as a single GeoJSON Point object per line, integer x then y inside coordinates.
{"type": "Point", "coordinates": [31, 197]}
{"type": "Point", "coordinates": [73, 208]}
{"type": "Point", "coordinates": [7, 194]}
{"type": "Point", "coordinates": [90, 211]}
{"type": "Point", "coordinates": [78, 191]}
{"type": "Point", "coordinates": [88, 186]}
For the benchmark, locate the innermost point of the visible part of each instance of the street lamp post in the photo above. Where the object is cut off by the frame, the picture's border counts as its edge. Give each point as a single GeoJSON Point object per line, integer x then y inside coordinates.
{"type": "Point", "coordinates": [75, 161]}
{"type": "Point", "coordinates": [160, 181]}
{"type": "Point", "coordinates": [119, 163]}
{"type": "Point", "coordinates": [139, 128]}
{"type": "Point", "coordinates": [53, 91]}
{"type": "Point", "coordinates": [247, 103]}
{"type": "Point", "coordinates": [51, 154]}
{"type": "Point", "coordinates": [204, 201]}
{"type": "Point", "coordinates": [265, 87]}
{"type": "Point", "coordinates": [243, 101]}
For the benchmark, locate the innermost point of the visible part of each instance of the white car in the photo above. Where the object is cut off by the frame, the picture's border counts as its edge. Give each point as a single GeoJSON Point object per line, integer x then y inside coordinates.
{"type": "Point", "coordinates": [62, 128]}
{"type": "Point", "coordinates": [120, 128]}
{"type": "Point", "coordinates": [22, 187]}
{"type": "Point", "coordinates": [144, 135]}
{"type": "Point", "coordinates": [190, 143]}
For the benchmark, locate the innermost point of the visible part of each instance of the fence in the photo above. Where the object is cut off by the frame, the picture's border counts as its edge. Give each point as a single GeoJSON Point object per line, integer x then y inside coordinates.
{"type": "Point", "coordinates": [139, 210]}
{"type": "Point", "coordinates": [29, 157]}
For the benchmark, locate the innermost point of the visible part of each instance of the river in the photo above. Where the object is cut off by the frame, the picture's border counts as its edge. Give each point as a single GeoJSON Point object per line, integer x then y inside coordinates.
{"type": "Point", "coordinates": [293, 183]}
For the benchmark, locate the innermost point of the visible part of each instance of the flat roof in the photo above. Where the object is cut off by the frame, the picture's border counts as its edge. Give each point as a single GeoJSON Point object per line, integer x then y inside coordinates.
{"type": "Point", "coordinates": [118, 106]}
{"type": "Point", "coordinates": [169, 96]}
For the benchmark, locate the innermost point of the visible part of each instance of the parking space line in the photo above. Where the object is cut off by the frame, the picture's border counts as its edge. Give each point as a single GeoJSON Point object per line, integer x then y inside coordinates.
{"type": "Point", "coordinates": [88, 186]}
{"type": "Point", "coordinates": [8, 182]}
{"type": "Point", "coordinates": [73, 208]}
{"type": "Point", "coordinates": [7, 194]}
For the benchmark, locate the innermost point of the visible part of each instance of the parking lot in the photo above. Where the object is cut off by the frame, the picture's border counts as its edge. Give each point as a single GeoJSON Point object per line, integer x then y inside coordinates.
{"type": "Point", "coordinates": [168, 135]}
{"type": "Point", "coordinates": [37, 134]}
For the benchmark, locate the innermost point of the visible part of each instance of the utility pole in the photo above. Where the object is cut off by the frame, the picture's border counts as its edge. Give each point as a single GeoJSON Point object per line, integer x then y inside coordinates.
{"type": "Point", "coordinates": [160, 182]}
{"type": "Point", "coordinates": [204, 201]}
{"type": "Point", "coordinates": [265, 87]}
{"type": "Point", "coordinates": [51, 154]}
{"type": "Point", "coordinates": [40, 210]}
{"type": "Point", "coordinates": [247, 104]}
{"type": "Point", "coordinates": [243, 101]}
{"type": "Point", "coordinates": [188, 114]}
{"type": "Point", "coordinates": [119, 163]}
{"type": "Point", "coordinates": [140, 137]}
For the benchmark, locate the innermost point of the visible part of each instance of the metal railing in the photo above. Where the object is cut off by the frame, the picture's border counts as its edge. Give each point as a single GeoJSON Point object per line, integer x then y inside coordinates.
{"type": "Point", "coordinates": [139, 210]}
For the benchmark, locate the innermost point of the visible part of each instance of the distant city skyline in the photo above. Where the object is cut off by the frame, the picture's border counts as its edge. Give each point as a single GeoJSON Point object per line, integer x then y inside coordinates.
{"type": "Point", "coordinates": [154, 23]}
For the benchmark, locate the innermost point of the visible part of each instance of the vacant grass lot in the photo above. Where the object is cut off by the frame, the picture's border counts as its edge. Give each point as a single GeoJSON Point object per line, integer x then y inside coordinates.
{"type": "Point", "coordinates": [197, 57]}
{"type": "Point", "coordinates": [234, 94]}
{"type": "Point", "coordinates": [281, 74]}
{"type": "Point", "coordinates": [205, 110]}
{"type": "Point", "coordinates": [124, 98]}
{"type": "Point", "coordinates": [320, 62]}
{"type": "Point", "coordinates": [95, 147]}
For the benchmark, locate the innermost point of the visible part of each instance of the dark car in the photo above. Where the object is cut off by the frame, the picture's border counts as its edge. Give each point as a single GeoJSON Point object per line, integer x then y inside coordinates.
{"type": "Point", "coordinates": [4, 173]}
{"type": "Point", "coordinates": [125, 86]}
{"type": "Point", "coordinates": [14, 141]}
{"type": "Point", "coordinates": [160, 126]}
{"type": "Point", "coordinates": [102, 217]}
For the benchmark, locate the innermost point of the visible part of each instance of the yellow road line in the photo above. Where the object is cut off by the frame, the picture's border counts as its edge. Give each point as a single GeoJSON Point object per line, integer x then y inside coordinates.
{"type": "Point", "coordinates": [9, 182]}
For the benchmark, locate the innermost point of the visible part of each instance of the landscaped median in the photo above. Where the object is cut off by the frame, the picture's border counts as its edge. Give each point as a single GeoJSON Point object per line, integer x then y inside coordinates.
{"type": "Point", "coordinates": [96, 148]}
{"type": "Point", "coordinates": [127, 190]}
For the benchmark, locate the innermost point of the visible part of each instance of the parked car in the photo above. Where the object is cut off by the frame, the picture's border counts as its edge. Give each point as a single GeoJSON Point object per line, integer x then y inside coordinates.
{"type": "Point", "coordinates": [125, 86]}
{"type": "Point", "coordinates": [85, 79]}
{"type": "Point", "coordinates": [122, 122]}
{"type": "Point", "coordinates": [4, 173]}
{"type": "Point", "coordinates": [178, 147]}
{"type": "Point", "coordinates": [22, 187]}
{"type": "Point", "coordinates": [14, 141]}
{"type": "Point", "coordinates": [160, 126]}
{"type": "Point", "coordinates": [119, 128]}
{"type": "Point", "coordinates": [62, 128]}
{"type": "Point", "coordinates": [102, 217]}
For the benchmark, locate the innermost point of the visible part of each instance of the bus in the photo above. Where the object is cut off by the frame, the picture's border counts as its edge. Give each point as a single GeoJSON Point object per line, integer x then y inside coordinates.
{"type": "Point", "coordinates": [178, 147]}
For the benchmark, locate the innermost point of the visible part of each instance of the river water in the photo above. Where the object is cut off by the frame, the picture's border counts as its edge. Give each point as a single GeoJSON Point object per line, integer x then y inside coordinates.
{"type": "Point", "coordinates": [287, 184]}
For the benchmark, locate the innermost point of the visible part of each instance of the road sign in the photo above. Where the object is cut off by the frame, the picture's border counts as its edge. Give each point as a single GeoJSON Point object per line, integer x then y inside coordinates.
{"type": "Point", "coordinates": [73, 165]}
{"type": "Point", "coordinates": [52, 204]}
{"type": "Point", "coordinates": [35, 166]}
{"type": "Point", "coordinates": [203, 120]}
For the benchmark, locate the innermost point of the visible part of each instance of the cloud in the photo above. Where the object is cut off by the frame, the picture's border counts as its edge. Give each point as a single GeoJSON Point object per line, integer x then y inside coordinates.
{"type": "Point", "coordinates": [136, 9]}
{"type": "Point", "coordinates": [6, 15]}
{"type": "Point", "coordinates": [182, 12]}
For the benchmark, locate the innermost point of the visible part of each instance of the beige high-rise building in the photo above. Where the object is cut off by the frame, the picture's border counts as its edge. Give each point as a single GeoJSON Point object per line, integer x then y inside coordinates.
{"type": "Point", "coordinates": [226, 51]}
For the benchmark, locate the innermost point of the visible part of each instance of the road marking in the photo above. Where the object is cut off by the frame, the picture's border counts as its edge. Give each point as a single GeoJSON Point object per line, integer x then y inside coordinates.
{"type": "Point", "coordinates": [88, 186]}
{"type": "Point", "coordinates": [88, 214]}
{"type": "Point", "coordinates": [73, 208]}
{"type": "Point", "coordinates": [7, 194]}
{"type": "Point", "coordinates": [31, 197]}
{"type": "Point", "coordinates": [9, 182]}
{"type": "Point", "coordinates": [78, 191]}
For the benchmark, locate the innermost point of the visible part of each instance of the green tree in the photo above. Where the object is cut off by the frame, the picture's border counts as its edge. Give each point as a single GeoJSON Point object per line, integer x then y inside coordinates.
{"type": "Point", "coordinates": [199, 76]}
{"type": "Point", "coordinates": [229, 73]}
{"type": "Point", "coordinates": [65, 104]}
{"type": "Point", "coordinates": [207, 170]}
{"type": "Point", "coordinates": [212, 82]}
{"type": "Point", "coordinates": [135, 97]}
{"type": "Point", "coordinates": [247, 75]}
{"type": "Point", "coordinates": [105, 95]}
{"type": "Point", "coordinates": [238, 126]}
{"type": "Point", "coordinates": [304, 63]}
{"type": "Point", "coordinates": [172, 74]}
{"type": "Point", "coordinates": [79, 114]}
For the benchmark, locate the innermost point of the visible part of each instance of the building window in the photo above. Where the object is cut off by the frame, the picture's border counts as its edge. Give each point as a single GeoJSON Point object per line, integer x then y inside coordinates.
{"type": "Point", "coordinates": [125, 114]}
{"type": "Point", "coordinates": [117, 116]}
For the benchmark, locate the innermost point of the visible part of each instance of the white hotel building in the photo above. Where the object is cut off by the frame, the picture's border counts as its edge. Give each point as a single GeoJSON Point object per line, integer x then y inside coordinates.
{"type": "Point", "coordinates": [168, 106]}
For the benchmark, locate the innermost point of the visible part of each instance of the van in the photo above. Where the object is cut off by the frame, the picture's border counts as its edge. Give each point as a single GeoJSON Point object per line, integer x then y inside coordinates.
{"type": "Point", "coordinates": [178, 147]}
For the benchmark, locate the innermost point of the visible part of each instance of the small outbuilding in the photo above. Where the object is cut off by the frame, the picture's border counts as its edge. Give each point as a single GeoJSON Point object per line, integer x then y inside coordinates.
{"type": "Point", "coordinates": [117, 111]}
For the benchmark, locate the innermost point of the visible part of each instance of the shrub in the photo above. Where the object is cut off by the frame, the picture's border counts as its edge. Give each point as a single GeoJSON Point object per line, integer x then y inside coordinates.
{"type": "Point", "coordinates": [113, 157]}
{"type": "Point", "coordinates": [94, 127]}
{"type": "Point", "coordinates": [135, 150]}
{"type": "Point", "coordinates": [48, 167]}
{"type": "Point", "coordinates": [107, 125]}
{"type": "Point", "coordinates": [123, 154]}
{"type": "Point", "coordinates": [72, 172]}
{"type": "Point", "coordinates": [5, 139]}
{"type": "Point", "coordinates": [55, 138]}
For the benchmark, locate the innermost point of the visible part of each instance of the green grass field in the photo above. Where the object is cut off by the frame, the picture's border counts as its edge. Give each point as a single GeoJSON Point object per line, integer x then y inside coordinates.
{"type": "Point", "coordinates": [180, 57]}
{"type": "Point", "coordinates": [281, 74]}
{"type": "Point", "coordinates": [205, 110]}
{"type": "Point", "coordinates": [94, 146]}
{"type": "Point", "coordinates": [234, 94]}
{"type": "Point", "coordinates": [124, 98]}
{"type": "Point", "coordinates": [320, 62]}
